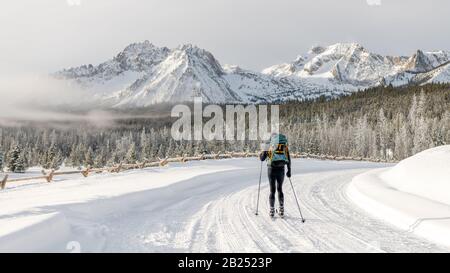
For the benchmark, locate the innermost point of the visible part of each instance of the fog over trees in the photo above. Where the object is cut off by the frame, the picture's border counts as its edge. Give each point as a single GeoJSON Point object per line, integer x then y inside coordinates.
{"type": "Point", "coordinates": [380, 123]}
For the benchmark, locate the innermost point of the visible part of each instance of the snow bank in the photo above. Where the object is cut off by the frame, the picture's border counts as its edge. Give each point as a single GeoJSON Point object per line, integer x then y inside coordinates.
{"type": "Point", "coordinates": [413, 195]}
{"type": "Point", "coordinates": [48, 216]}
{"type": "Point", "coordinates": [425, 174]}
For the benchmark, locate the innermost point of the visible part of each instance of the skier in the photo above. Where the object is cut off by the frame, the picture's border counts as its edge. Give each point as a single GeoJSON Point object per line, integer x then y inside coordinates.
{"type": "Point", "coordinates": [277, 155]}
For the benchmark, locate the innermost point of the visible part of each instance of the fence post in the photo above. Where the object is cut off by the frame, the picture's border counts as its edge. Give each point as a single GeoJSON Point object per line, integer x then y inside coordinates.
{"type": "Point", "coordinates": [118, 168]}
{"type": "Point", "coordinates": [137, 165]}
{"type": "Point", "coordinates": [3, 182]}
{"type": "Point", "coordinates": [162, 162]}
{"type": "Point", "coordinates": [85, 173]}
{"type": "Point", "coordinates": [49, 177]}
{"type": "Point", "coordinates": [143, 164]}
{"type": "Point", "coordinates": [146, 161]}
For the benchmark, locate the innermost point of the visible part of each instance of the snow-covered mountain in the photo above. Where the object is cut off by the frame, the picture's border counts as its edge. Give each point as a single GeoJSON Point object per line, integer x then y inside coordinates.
{"type": "Point", "coordinates": [351, 64]}
{"type": "Point", "coordinates": [340, 64]}
{"type": "Point", "coordinates": [423, 67]}
{"type": "Point", "coordinates": [144, 74]}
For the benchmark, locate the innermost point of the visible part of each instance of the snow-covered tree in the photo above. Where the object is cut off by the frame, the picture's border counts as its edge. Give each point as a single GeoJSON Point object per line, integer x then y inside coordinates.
{"type": "Point", "coordinates": [361, 137]}
{"type": "Point", "coordinates": [20, 165]}
{"type": "Point", "coordinates": [52, 158]}
{"type": "Point", "coordinates": [170, 149]}
{"type": "Point", "coordinates": [377, 123]}
{"type": "Point", "coordinates": [57, 161]}
{"type": "Point", "coordinates": [15, 161]}
{"type": "Point", "coordinates": [383, 133]}
{"type": "Point", "coordinates": [89, 157]}
{"type": "Point", "coordinates": [1, 161]}
{"type": "Point", "coordinates": [131, 157]}
{"type": "Point", "coordinates": [76, 155]}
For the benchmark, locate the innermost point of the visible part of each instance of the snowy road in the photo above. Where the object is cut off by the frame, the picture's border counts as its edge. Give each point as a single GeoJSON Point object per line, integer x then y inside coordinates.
{"type": "Point", "coordinates": [214, 212]}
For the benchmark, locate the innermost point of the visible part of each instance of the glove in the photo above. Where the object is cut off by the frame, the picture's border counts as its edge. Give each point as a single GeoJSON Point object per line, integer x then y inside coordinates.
{"type": "Point", "coordinates": [261, 156]}
{"type": "Point", "coordinates": [288, 174]}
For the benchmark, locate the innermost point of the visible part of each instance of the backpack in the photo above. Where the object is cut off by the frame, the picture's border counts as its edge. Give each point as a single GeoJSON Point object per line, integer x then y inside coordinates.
{"type": "Point", "coordinates": [278, 151]}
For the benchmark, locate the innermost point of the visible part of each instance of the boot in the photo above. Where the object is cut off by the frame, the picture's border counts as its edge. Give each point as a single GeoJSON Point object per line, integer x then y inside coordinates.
{"type": "Point", "coordinates": [281, 211]}
{"type": "Point", "coordinates": [272, 212]}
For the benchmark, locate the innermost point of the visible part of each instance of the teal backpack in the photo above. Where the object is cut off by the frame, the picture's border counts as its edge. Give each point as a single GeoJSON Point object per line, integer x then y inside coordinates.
{"type": "Point", "coordinates": [278, 151]}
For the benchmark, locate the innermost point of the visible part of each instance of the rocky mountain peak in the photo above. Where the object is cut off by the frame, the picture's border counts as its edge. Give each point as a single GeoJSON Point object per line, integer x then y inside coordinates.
{"type": "Point", "coordinates": [143, 74]}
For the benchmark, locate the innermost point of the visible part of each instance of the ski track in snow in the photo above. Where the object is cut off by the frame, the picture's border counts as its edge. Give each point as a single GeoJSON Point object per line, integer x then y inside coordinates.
{"type": "Point", "coordinates": [216, 214]}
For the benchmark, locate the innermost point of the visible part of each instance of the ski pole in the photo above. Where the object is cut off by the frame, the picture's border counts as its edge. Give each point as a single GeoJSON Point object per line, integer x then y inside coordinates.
{"type": "Point", "coordinates": [298, 205]}
{"type": "Point", "coordinates": [259, 188]}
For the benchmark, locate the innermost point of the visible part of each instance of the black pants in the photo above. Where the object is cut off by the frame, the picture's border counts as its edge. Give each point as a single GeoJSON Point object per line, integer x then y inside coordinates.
{"type": "Point", "coordinates": [276, 178]}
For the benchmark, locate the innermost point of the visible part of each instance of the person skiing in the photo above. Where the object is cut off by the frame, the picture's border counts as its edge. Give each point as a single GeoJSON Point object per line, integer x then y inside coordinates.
{"type": "Point", "coordinates": [277, 156]}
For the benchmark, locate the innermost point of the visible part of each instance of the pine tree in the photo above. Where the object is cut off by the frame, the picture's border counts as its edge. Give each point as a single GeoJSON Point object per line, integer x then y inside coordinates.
{"type": "Point", "coordinates": [98, 161]}
{"type": "Point", "coordinates": [170, 149]}
{"type": "Point", "coordinates": [361, 137]}
{"type": "Point", "coordinates": [15, 162]}
{"type": "Point", "coordinates": [145, 145]}
{"type": "Point", "coordinates": [1, 161]}
{"type": "Point", "coordinates": [383, 133]}
{"type": "Point", "coordinates": [113, 160]}
{"type": "Point", "coordinates": [89, 158]}
{"type": "Point", "coordinates": [161, 151]}
{"type": "Point", "coordinates": [189, 150]}
{"type": "Point", "coordinates": [74, 156]}
{"type": "Point", "coordinates": [56, 161]}
{"type": "Point", "coordinates": [50, 158]}
{"type": "Point", "coordinates": [131, 157]}
{"type": "Point", "coordinates": [421, 140]}
{"type": "Point", "coordinates": [20, 165]}
{"type": "Point", "coordinates": [402, 142]}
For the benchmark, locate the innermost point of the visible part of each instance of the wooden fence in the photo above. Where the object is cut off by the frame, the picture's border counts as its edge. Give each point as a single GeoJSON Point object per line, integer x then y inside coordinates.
{"type": "Point", "coordinates": [47, 176]}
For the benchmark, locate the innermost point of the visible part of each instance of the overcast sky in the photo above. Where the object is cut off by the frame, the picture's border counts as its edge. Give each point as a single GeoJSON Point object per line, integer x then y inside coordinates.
{"type": "Point", "coordinates": [41, 36]}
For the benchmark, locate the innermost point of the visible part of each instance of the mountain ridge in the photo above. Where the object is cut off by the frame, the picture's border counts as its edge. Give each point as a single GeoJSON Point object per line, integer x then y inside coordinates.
{"type": "Point", "coordinates": [144, 74]}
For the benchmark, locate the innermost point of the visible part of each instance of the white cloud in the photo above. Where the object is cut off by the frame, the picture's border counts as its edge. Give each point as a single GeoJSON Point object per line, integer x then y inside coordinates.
{"type": "Point", "coordinates": [72, 3]}
{"type": "Point", "coordinates": [373, 2]}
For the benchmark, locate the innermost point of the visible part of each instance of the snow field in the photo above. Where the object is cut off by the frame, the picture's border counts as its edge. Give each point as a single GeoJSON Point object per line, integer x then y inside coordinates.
{"type": "Point", "coordinates": [205, 206]}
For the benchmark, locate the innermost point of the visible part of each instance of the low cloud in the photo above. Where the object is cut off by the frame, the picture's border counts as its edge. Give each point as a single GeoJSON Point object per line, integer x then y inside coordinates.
{"type": "Point", "coordinates": [43, 98]}
{"type": "Point", "coordinates": [18, 93]}
{"type": "Point", "coordinates": [46, 101]}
